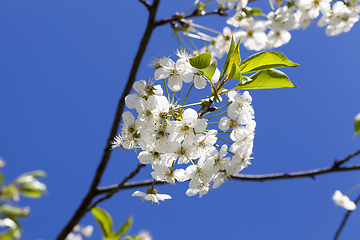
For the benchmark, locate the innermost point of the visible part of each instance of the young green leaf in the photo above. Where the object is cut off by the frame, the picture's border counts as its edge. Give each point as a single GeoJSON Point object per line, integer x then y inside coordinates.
{"type": "Point", "coordinates": [357, 124]}
{"type": "Point", "coordinates": [34, 174]}
{"type": "Point", "coordinates": [124, 228]}
{"type": "Point", "coordinates": [265, 60]}
{"type": "Point", "coordinates": [228, 58]}
{"type": "Point", "coordinates": [5, 236]}
{"type": "Point", "coordinates": [234, 60]}
{"type": "Point", "coordinates": [2, 179]}
{"type": "Point", "coordinates": [267, 79]}
{"type": "Point", "coordinates": [124, 238]}
{"type": "Point", "coordinates": [210, 70]}
{"type": "Point", "coordinates": [201, 61]}
{"type": "Point", "coordinates": [256, 11]}
{"type": "Point", "coordinates": [13, 211]}
{"type": "Point", "coordinates": [104, 220]}
{"type": "Point", "coordinates": [34, 189]}
{"type": "Point", "coordinates": [235, 72]}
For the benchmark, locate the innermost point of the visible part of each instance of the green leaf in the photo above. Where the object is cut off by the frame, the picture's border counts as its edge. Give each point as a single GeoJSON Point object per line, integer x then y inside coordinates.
{"type": "Point", "coordinates": [235, 59]}
{"type": "Point", "coordinates": [265, 60]}
{"type": "Point", "coordinates": [210, 70]}
{"type": "Point", "coordinates": [12, 211]}
{"type": "Point", "coordinates": [228, 57]}
{"type": "Point", "coordinates": [124, 228]}
{"type": "Point", "coordinates": [5, 236]}
{"type": "Point", "coordinates": [256, 11]}
{"type": "Point", "coordinates": [2, 179]}
{"type": "Point", "coordinates": [127, 238]}
{"type": "Point", "coordinates": [34, 189]}
{"type": "Point", "coordinates": [201, 61]}
{"type": "Point", "coordinates": [235, 72]}
{"type": "Point", "coordinates": [35, 174]}
{"type": "Point", "coordinates": [104, 220]}
{"type": "Point", "coordinates": [267, 79]}
{"type": "Point", "coordinates": [357, 124]}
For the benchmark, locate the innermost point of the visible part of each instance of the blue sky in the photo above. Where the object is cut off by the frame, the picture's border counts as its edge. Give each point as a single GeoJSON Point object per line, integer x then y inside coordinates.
{"type": "Point", "coordinates": [64, 65]}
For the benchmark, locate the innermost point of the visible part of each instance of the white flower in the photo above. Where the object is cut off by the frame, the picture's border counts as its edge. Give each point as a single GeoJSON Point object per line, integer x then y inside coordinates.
{"type": "Point", "coordinates": [313, 7]}
{"type": "Point", "coordinates": [343, 201]}
{"type": "Point", "coordinates": [340, 19]}
{"type": "Point", "coordinates": [278, 38]}
{"type": "Point", "coordinates": [144, 235]}
{"type": "Point", "coordinates": [165, 174]}
{"type": "Point", "coordinates": [219, 45]}
{"type": "Point", "coordinates": [151, 197]}
{"type": "Point", "coordinates": [181, 71]}
{"type": "Point", "coordinates": [73, 236]}
{"type": "Point", "coordinates": [144, 90]}
{"type": "Point", "coordinates": [117, 142]}
{"type": "Point", "coordinates": [87, 231]}
{"type": "Point", "coordinates": [253, 37]}
{"type": "Point", "coordinates": [7, 222]}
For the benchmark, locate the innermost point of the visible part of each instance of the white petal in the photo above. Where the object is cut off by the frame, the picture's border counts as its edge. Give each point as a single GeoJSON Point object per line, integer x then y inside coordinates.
{"type": "Point", "coordinates": [199, 82]}
{"type": "Point", "coordinates": [128, 118]}
{"type": "Point", "coordinates": [175, 83]}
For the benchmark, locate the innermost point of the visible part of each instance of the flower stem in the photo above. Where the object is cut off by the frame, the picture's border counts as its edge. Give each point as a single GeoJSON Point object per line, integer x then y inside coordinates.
{"type": "Point", "coordinates": [224, 140]}
{"type": "Point", "coordinates": [188, 93]}
{"type": "Point", "coordinates": [353, 189]}
{"type": "Point", "coordinates": [166, 89]}
{"type": "Point", "coordinates": [217, 115]}
{"type": "Point", "coordinates": [218, 146]}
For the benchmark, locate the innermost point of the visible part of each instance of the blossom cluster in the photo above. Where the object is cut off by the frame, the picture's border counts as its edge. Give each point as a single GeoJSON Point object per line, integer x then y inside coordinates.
{"type": "Point", "coordinates": [176, 139]}
{"type": "Point", "coordinates": [274, 30]}
{"type": "Point", "coordinates": [343, 201]}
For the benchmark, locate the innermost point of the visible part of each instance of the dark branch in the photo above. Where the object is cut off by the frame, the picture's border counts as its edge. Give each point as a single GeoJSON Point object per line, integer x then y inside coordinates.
{"type": "Point", "coordinates": [310, 173]}
{"type": "Point", "coordinates": [344, 160]}
{"type": "Point", "coordinates": [344, 220]}
{"type": "Point", "coordinates": [146, 4]}
{"type": "Point", "coordinates": [247, 177]}
{"type": "Point", "coordinates": [177, 17]}
{"type": "Point", "coordinates": [115, 190]}
{"type": "Point", "coordinates": [83, 208]}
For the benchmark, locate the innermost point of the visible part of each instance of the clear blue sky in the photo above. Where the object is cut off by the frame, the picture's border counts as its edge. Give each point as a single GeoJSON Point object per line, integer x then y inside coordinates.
{"type": "Point", "coordinates": [63, 68]}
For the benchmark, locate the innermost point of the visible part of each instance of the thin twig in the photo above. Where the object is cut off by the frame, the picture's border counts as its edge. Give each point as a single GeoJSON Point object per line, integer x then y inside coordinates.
{"type": "Point", "coordinates": [338, 163]}
{"type": "Point", "coordinates": [82, 209]}
{"type": "Point", "coordinates": [178, 17]}
{"type": "Point", "coordinates": [344, 220]}
{"type": "Point", "coordinates": [146, 4]}
{"type": "Point", "coordinates": [310, 173]}
{"type": "Point", "coordinates": [115, 190]}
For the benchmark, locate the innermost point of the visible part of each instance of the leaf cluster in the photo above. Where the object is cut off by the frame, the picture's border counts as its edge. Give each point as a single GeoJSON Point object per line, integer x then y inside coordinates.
{"type": "Point", "coordinates": [262, 63]}
{"type": "Point", "coordinates": [26, 185]}
{"type": "Point", "coordinates": [105, 222]}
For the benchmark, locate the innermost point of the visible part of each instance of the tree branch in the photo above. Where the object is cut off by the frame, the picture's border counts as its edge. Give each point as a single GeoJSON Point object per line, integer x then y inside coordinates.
{"type": "Point", "coordinates": [247, 177]}
{"type": "Point", "coordinates": [344, 220]}
{"type": "Point", "coordinates": [83, 208]}
{"type": "Point", "coordinates": [177, 17]}
{"type": "Point", "coordinates": [146, 4]}
{"type": "Point", "coordinates": [115, 190]}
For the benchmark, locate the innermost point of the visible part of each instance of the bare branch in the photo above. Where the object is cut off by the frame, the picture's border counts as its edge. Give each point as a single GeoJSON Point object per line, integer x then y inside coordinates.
{"type": "Point", "coordinates": [177, 17]}
{"type": "Point", "coordinates": [82, 209]}
{"type": "Point", "coordinates": [247, 177]}
{"type": "Point", "coordinates": [115, 190]}
{"type": "Point", "coordinates": [344, 220]}
{"type": "Point", "coordinates": [344, 160]}
{"type": "Point", "coordinates": [146, 4]}
{"type": "Point", "coordinates": [309, 173]}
